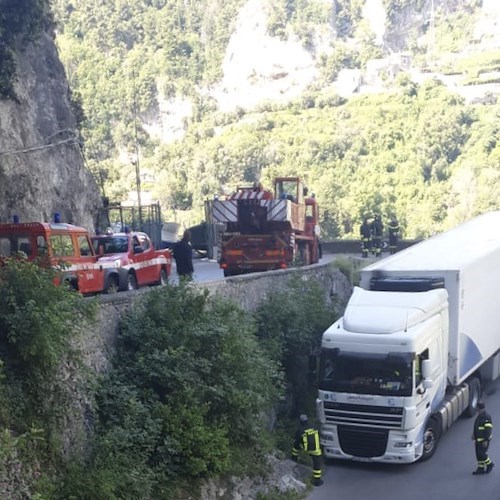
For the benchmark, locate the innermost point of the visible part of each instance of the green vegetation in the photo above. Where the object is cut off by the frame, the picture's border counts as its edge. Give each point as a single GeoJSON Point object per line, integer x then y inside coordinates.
{"type": "Point", "coordinates": [183, 400]}
{"type": "Point", "coordinates": [399, 152]}
{"type": "Point", "coordinates": [190, 384]}
{"type": "Point", "coordinates": [38, 330]}
{"type": "Point", "coordinates": [123, 57]}
{"type": "Point", "coordinates": [189, 396]}
{"type": "Point", "coordinates": [406, 152]}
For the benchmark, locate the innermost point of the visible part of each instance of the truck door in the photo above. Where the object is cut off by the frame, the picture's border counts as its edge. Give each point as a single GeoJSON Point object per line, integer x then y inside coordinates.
{"type": "Point", "coordinates": [145, 270]}
{"type": "Point", "coordinates": [90, 272]}
{"type": "Point", "coordinates": [76, 272]}
{"type": "Point", "coordinates": [63, 257]}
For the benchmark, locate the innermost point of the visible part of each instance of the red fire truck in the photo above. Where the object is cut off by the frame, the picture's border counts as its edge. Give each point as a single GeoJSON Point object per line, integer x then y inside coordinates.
{"type": "Point", "coordinates": [135, 262]}
{"type": "Point", "coordinates": [266, 230]}
{"type": "Point", "coordinates": [66, 247]}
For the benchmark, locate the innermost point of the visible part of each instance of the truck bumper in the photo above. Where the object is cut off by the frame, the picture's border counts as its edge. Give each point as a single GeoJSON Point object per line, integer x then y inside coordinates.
{"type": "Point", "coordinates": [400, 448]}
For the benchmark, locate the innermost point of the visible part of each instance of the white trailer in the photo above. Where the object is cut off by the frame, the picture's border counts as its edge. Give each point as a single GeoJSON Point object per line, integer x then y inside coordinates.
{"type": "Point", "coordinates": [418, 340]}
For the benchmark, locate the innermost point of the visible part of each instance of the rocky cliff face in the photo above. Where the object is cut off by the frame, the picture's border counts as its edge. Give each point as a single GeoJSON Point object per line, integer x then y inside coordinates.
{"type": "Point", "coordinates": [41, 166]}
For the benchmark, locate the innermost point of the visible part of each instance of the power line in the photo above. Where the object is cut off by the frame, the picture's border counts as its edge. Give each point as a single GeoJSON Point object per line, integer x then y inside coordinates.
{"type": "Point", "coordinates": [70, 140]}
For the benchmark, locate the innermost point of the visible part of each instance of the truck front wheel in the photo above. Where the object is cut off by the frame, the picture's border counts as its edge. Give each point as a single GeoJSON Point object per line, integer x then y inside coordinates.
{"type": "Point", "coordinates": [132, 282]}
{"type": "Point", "coordinates": [112, 285]}
{"type": "Point", "coordinates": [163, 277]}
{"type": "Point", "coordinates": [431, 438]}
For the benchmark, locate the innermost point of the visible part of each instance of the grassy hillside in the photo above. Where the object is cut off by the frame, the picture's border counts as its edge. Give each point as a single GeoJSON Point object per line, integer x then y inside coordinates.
{"type": "Point", "coordinates": [405, 152]}
{"type": "Point", "coordinates": [415, 151]}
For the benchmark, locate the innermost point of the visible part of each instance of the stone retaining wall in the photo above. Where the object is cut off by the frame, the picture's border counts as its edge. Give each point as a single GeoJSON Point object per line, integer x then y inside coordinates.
{"type": "Point", "coordinates": [248, 291]}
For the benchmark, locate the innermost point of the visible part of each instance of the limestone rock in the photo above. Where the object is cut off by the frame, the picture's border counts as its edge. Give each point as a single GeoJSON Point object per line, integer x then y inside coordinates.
{"type": "Point", "coordinates": [42, 169]}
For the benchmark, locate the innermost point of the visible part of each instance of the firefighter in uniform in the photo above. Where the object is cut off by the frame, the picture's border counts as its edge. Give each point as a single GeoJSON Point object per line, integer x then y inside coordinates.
{"type": "Point", "coordinates": [377, 229]}
{"type": "Point", "coordinates": [393, 235]}
{"type": "Point", "coordinates": [483, 428]}
{"type": "Point", "coordinates": [366, 238]}
{"type": "Point", "coordinates": [307, 439]}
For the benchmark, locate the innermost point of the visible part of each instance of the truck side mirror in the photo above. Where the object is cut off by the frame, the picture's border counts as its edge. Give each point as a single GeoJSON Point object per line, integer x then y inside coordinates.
{"type": "Point", "coordinates": [426, 368]}
{"type": "Point", "coordinates": [427, 381]}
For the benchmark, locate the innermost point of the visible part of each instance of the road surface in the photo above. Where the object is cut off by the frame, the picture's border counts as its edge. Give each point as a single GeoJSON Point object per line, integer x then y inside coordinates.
{"type": "Point", "coordinates": [446, 476]}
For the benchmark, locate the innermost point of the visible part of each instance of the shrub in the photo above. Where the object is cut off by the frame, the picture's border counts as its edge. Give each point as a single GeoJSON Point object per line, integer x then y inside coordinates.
{"type": "Point", "coordinates": [290, 325]}
{"type": "Point", "coordinates": [184, 397]}
{"type": "Point", "coordinates": [37, 324]}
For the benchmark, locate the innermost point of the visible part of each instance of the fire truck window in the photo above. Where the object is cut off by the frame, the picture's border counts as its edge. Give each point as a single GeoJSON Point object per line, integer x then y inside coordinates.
{"type": "Point", "coordinates": [84, 245]}
{"type": "Point", "coordinates": [25, 248]}
{"type": "Point", "coordinates": [41, 245]}
{"type": "Point", "coordinates": [62, 245]}
{"type": "Point", "coordinates": [144, 242]}
{"type": "Point", "coordinates": [5, 247]}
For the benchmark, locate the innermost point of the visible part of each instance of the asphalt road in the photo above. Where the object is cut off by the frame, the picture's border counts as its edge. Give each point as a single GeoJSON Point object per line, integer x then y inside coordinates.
{"type": "Point", "coordinates": [446, 476]}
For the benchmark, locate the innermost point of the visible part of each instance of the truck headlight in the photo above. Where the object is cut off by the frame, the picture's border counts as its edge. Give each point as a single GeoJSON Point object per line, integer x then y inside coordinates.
{"type": "Point", "coordinates": [403, 444]}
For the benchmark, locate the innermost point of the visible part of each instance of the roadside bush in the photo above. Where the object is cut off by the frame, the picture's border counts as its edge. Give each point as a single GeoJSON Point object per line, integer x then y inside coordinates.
{"type": "Point", "coordinates": [183, 400]}
{"type": "Point", "coordinates": [290, 325]}
{"type": "Point", "coordinates": [37, 325]}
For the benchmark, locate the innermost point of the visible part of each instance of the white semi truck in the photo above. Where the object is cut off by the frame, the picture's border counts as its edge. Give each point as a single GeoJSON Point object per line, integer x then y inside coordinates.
{"type": "Point", "coordinates": [418, 340]}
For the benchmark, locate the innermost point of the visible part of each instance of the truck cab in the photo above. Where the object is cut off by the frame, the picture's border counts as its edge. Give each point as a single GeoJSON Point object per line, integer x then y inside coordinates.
{"type": "Point", "coordinates": [374, 400]}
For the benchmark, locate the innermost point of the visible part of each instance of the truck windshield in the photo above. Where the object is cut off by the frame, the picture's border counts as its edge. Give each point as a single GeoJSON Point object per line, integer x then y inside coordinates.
{"type": "Point", "coordinates": [111, 244]}
{"type": "Point", "coordinates": [381, 374]}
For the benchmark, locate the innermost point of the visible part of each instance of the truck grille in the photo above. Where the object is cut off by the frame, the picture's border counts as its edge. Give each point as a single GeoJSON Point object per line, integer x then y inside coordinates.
{"type": "Point", "coordinates": [362, 442]}
{"type": "Point", "coordinates": [385, 417]}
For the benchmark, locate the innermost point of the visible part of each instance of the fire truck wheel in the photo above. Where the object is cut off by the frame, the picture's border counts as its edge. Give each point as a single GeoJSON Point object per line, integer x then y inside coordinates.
{"type": "Point", "coordinates": [163, 277]}
{"type": "Point", "coordinates": [112, 285]}
{"type": "Point", "coordinates": [70, 285]}
{"type": "Point", "coordinates": [131, 282]}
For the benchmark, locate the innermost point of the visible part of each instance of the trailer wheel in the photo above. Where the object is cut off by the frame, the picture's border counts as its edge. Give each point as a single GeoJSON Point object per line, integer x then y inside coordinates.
{"type": "Point", "coordinates": [474, 396]}
{"type": "Point", "coordinates": [112, 284]}
{"type": "Point", "coordinates": [132, 282]}
{"type": "Point", "coordinates": [431, 438]}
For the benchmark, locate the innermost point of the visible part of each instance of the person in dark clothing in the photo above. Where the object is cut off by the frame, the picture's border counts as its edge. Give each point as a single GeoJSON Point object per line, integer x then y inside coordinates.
{"type": "Point", "coordinates": [377, 230]}
{"type": "Point", "coordinates": [307, 439]}
{"type": "Point", "coordinates": [483, 428]}
{"type": "Point", "coordinates": [366, 238]}
{"type": "Point", "coordinates": [183, 255]}
{"type": "Point", "coordinates": [393, 235]}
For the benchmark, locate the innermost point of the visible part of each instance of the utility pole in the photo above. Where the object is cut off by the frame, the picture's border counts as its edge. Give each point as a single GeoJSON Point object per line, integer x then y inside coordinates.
{"type": "Point", "coordinates": [432, 29]}
{"type": "Point", "coordinates": [135, 162]}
